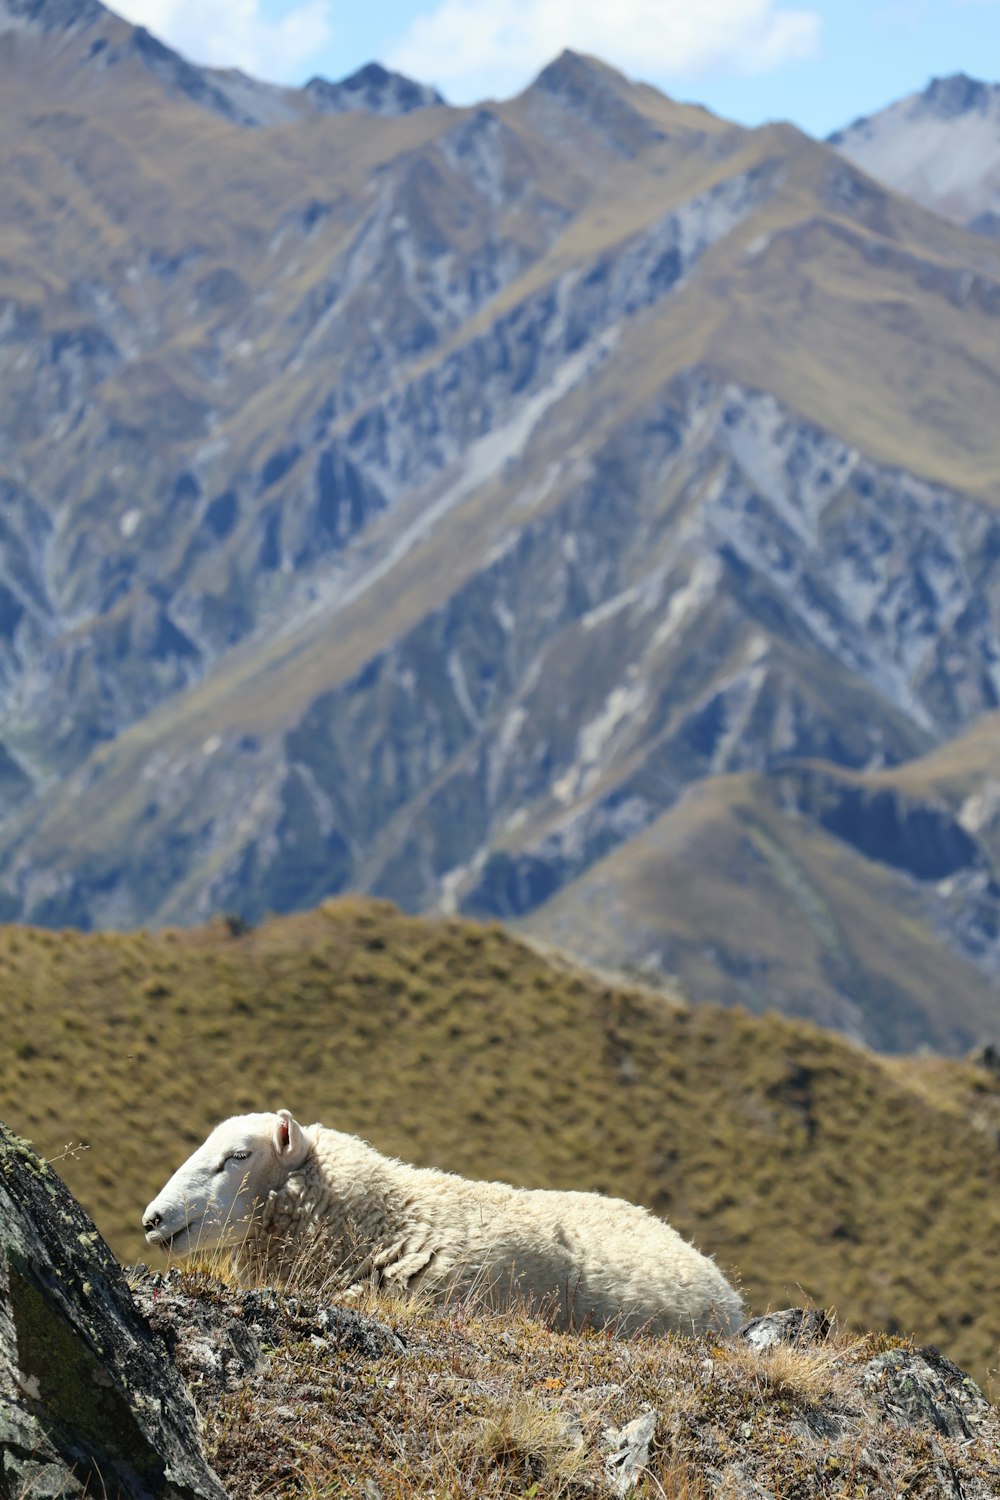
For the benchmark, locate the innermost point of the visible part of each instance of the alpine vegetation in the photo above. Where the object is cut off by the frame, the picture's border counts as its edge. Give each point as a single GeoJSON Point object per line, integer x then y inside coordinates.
{"type": "Point", "coordinates": [273, 1191]}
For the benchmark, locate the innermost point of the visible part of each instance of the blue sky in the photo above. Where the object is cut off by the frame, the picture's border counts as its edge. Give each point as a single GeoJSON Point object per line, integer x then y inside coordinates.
{"type": "Point", "coordinates": [819, 64]}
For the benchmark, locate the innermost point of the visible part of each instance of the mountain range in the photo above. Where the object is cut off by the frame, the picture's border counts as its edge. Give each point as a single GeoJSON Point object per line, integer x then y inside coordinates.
{"type": "Point", "coordinates": [579, 510]}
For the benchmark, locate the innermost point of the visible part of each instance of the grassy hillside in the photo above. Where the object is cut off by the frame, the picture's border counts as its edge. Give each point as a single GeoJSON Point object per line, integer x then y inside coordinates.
{"type": "Point", "coordinates": [807, 1166]}
{"type": "Point", "coordinates": [500, 1406]}
{"type": "Point", "coordinates": [744, 900]}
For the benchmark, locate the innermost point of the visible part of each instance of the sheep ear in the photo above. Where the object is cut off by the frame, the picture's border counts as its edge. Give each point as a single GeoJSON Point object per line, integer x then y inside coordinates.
{"type": "Point", "coordinates": [289, 1140]}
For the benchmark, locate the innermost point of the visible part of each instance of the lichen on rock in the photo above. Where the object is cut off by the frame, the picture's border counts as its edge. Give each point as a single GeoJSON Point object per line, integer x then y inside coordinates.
{"type": "Point", "coordinates": [89, 1401]}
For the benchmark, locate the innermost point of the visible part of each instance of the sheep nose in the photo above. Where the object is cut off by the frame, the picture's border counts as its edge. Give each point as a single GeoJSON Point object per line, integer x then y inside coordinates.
{"type": "Point", "coordinates": [151, 1220]}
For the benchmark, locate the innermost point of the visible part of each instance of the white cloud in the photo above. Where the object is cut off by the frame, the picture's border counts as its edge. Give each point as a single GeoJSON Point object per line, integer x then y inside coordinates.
{"type": "Point", "coordinates": [236, 33]}
{"type": "Point", "coordinates": [475, 48]}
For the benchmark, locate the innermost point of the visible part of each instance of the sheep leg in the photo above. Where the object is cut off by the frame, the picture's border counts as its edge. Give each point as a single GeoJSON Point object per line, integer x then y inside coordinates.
{"type": "Point", "coordinates": [392, 1269]}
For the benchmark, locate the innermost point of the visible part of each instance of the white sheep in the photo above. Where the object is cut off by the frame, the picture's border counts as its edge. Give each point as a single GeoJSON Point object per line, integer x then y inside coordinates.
{"type": "Point", "coordinates": [271, 1190]}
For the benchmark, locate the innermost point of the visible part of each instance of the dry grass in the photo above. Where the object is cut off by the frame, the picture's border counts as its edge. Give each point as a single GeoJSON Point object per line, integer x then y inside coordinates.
{"type": "Point", "coordinates": [525, 1433]}
{"type": "Point", "coordinates": [805, 1165]}
{"type": "Point", "coordinates": [788, 1372]}
{"type": "Point", "coordinates": [750, 904]}
{"type": "Point", "coordinates": [478, 1405]}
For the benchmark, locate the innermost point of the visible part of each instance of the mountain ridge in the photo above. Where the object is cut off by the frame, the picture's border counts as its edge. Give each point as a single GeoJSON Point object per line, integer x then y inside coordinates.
{"type": "Point", "coordinates": [227, 92]}
{"type": "Point", "coordinates": [800, 1160]}
{"type": "Point", "coordinates": [427, 502]}
{"type": "Point", "coordinates": [940, 146]}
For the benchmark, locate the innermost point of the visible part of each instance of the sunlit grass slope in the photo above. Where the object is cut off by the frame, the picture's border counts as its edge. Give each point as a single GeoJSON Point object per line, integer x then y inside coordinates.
{"type": "Point", "coordinates": [747, 902]}
{"type": "Point", "coordinates": [810, 1168]}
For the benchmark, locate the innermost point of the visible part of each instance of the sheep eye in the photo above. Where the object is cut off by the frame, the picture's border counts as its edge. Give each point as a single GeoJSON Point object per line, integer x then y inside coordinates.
{"type": "Point", "coordinates": [233, 1156]}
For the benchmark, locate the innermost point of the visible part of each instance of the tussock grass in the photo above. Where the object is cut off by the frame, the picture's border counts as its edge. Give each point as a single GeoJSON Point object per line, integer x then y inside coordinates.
{"type": "Point", "coordinates": [786, 1371]}
{"type": "Point", "coordinates": [526, 1434]}
{"type": "Point", "coordinates": [810, 1169]}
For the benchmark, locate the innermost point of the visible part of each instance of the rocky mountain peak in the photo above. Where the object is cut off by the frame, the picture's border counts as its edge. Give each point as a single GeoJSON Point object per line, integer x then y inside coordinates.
{"type": "Point", "coordinates": [941, 147]}
{"type": "Point", "coordinates": [571, 73]}
{"type": "Point", "coordinates": [599, 96]}
{"type": "Point", "coordinates": [943, 99]}
{"type": "Point", "coordinates": [372, 88]}
{"type": "Point", "coordinates": [957, 95]}
{"type": "Point", "coordinates": [49, 15]}
{"type": "Point", "coordinates": [583, 82]}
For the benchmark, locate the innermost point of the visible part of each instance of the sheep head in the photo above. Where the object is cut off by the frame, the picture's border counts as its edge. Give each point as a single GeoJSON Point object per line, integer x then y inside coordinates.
{"type": "Point", "coordinates": [210, 1201]}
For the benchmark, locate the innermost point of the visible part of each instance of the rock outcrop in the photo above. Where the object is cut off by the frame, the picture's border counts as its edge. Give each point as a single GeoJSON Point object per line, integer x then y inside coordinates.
{"type": "Point", "coordinates": [289, 1389]}
{"type": "Point", "coordinates": [89, 1401]}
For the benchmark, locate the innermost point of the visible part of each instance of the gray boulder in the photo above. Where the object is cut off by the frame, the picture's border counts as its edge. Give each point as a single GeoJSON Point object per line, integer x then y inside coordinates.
{"type": "Point", "coordinates": [793, 1325]}
{"type": "Point", "coordinates": [923, 1388]}
{"type": "Point", "coordinates": [217, 1335]}
{"type": "Point", "coordinates": [89, 1401]}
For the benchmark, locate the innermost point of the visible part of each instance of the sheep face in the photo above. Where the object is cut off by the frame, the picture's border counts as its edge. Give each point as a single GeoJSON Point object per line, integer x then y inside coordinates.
{"type": "Point", "coordinates": [210, 1201]}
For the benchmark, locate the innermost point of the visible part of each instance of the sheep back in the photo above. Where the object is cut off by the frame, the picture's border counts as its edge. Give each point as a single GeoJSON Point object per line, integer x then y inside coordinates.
{"type": "Point", "coordinates": [580, 1258]}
